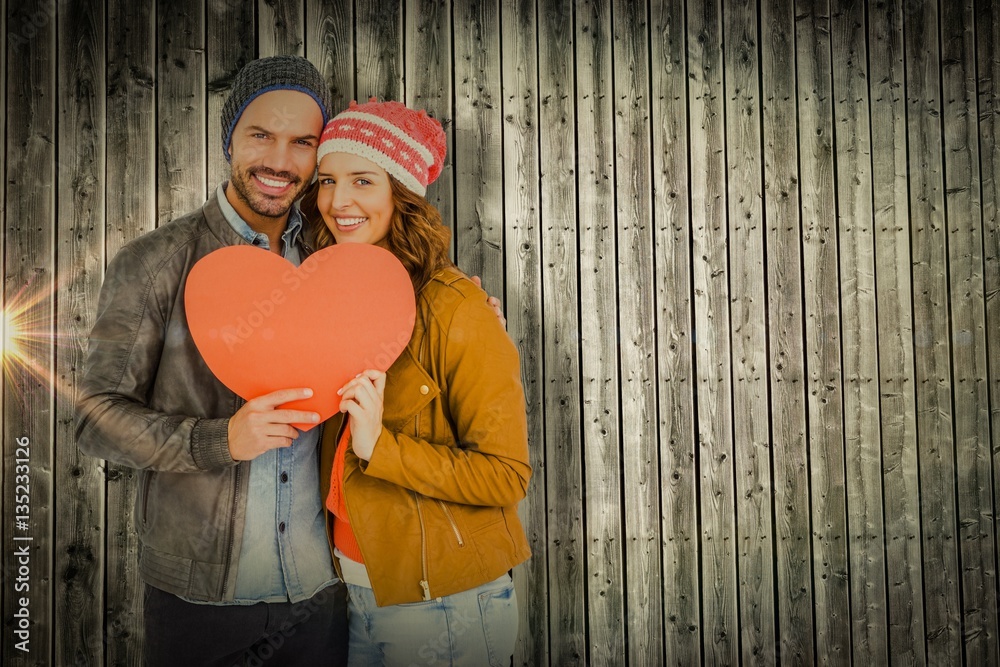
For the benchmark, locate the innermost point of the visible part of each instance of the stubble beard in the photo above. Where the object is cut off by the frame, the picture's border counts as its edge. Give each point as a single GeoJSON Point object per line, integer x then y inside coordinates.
{"type": "Point", "coordinates": [260, 203]}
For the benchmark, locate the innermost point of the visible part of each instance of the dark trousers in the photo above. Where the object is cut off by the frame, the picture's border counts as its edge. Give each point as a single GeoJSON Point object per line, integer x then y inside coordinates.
{"type": "Point", "coordinates": [308, 633]}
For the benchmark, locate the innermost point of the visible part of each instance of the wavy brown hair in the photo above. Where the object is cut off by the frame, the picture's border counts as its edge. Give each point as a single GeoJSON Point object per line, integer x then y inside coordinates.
{"type": "Point", "coordinates": [416, 236]}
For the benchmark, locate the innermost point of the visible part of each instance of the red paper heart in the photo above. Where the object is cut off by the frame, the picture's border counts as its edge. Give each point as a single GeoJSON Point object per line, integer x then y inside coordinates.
{"type": "Point", "coordinates": [261, 324]}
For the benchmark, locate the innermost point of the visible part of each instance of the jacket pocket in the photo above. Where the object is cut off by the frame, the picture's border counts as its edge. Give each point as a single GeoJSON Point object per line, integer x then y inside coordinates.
{"type": "Point", "coordinates": [145, 480]}
{"type": "Point", "coordinates": [409, 388]}
{"type": "Point", "coordinates": [498, 609]}
{"type": "Point", "coordinates": [454, 524]}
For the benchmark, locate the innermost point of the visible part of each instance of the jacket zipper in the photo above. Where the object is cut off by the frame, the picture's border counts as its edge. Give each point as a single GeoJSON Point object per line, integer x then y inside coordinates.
{"type": "Point", "coordinates": [232, 518]}
{"type": "Point", "coordinates": [232, 532]}
{"type": "Point", "coordinates": [416, 417]}
{"type": "Point", "coordinates": [145, 494]}
{"type": "Point", "coordinates": [423, 549]}
{"type": "Point", "coordinates": [451, 520]}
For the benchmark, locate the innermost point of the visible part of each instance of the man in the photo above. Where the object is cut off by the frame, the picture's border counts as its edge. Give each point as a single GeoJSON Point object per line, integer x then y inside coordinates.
{"type": "Point", "coordinates": [234, 553]}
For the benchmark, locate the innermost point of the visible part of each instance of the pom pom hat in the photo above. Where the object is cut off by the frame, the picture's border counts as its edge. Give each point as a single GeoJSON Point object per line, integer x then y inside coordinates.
{"type": "Point", "coordinates": [408, 144]}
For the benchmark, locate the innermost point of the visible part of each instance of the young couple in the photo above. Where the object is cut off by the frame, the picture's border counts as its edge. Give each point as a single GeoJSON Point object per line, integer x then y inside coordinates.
{"type": "Point", "coordinates": [412, 486]}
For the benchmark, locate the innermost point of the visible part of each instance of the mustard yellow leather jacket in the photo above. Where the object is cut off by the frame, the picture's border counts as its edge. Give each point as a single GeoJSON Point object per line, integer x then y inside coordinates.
{"type": "Point", "coordinates": [434, 510]}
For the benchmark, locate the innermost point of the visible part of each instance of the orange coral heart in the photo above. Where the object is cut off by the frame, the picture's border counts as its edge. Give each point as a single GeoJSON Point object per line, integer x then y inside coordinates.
{"type": "Point", "coordinates": [262, 324]}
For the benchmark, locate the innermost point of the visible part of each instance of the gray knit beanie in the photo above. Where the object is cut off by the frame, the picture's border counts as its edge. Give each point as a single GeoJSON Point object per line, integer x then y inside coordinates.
{"type": "Point", "coordinates": [264, 75]}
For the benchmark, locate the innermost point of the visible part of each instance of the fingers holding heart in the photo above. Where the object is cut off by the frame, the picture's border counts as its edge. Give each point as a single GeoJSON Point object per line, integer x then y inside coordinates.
{"type": "Point", "coordinates": [261, 425]}
{"type": "Point", "coordinates": [362, 399]}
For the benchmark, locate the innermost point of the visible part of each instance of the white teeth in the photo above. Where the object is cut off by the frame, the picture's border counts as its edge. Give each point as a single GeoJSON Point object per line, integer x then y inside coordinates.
{"type": "Point", "coordinates": [272, 183]}
{"type": "Point", "coordinates": [350, 222]}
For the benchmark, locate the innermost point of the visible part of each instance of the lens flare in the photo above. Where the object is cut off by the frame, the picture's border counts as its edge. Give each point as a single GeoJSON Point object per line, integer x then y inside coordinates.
{"type": "Point", "coordinates": [29, 337]}
{"type": "Point", "coordinates": [11, 332]}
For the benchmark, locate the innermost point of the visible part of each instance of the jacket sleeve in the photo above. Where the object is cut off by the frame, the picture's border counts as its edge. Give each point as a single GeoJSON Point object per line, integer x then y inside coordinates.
{"type": "Point", "coordinates": [114, 421]}
{"type": "Point", "coordinates": [485, 399]}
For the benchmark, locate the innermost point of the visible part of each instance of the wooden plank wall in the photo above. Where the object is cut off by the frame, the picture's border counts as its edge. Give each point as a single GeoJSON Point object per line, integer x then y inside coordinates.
{"type": "Point", "coordinates": [749, 251]}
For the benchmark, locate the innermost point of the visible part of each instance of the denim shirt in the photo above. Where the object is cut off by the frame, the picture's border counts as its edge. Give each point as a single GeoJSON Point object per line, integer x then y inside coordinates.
{"type": "Point", "coordinates": [285, 555]}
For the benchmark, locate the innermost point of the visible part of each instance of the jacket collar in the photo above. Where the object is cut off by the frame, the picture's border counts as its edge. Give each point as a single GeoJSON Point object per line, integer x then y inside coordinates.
{"type": "Point", "coordinates": [218, 224]}
{"type": "Point", "coordinates": [223, 231]}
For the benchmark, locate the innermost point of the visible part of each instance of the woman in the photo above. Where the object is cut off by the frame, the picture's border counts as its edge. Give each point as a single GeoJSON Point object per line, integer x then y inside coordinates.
{"type": "Point", "coordinates": [423, 476]}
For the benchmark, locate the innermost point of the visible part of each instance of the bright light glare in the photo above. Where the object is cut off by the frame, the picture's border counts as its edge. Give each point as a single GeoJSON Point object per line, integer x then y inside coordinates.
{"type": "Point", "coordinates": [28, 339]}
{"type": "Point", "coordinates": [10, 348]}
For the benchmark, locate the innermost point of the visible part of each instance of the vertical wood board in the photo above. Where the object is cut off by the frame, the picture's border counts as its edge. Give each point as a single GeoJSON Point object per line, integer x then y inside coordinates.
{"type": "Point", "coordinates": [932, 350]}
{"type": "Point", "coordinates": [747, 312]}
{"type": "Point", "coordinates": [862, 435]}
{"type": "Point", "coordinates": [673, 302]}
{"type": "Point", "coordinates": [561, 322]}
{"type": "Point", "coordinates": [599, 337]}
{"type": "Point", "coordinates": [79, 526]}
{"type": "Point", "coordinates": [786, 372]}
{"type": "Point", "coordinates": [895, 335]}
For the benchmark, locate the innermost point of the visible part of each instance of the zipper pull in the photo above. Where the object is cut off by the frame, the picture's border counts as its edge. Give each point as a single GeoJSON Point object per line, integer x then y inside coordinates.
{"type": "Point", "coordinates": [427, 589]}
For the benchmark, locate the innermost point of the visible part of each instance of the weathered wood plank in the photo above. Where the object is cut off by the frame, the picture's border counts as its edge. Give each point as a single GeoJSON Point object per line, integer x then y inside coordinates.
{"type": "Point", "coordinates": [637, 340]}
{"type": "Point", "coordinates": [964, 234]}
{"type": "Point", "coordinates": [281, 28]}
{"type": "Point", "coordinates": [988, 66]}
{"type": "Point", "coordinates": [330, 46]}
{"type": "Point", "coordinates": [862, 433]}
{"type": "Point", "coordinates": [131, 212]}
{"type": "Point", "coordinates": [231, 36]}
{"type": "Point", "coordinates": [427, 75]}
{"type": "Point", "coordinates": [599, 338]}
{"type": "Point", "coordinates": [29, 301]}
{"type": "Point", "coordinates": [787, 371]}
{"type": "Point", "coordinates": [895, 334]}
{"type": "Point", "coordinates": [523, 299]}
{"type": "Point", "coordinates": [379, 49]}
{"type": "Point", "coordinates": [564, 545]}
{"type": "Point", "coordinates": [478, 152]}
{"type": "Point", "coordinates": [751, 427]}
{"type": "Point", "coordinates": [824, 407]}
{"type": "Point", "coordinates": [932, 353]}
{"type": "Point", "coordinates": [720, 604]}
{"type": "Point", "coordinates": [675, 387]}
{"type": "Point", "coordinates": [180, 140]}
{"type": "Point", "coordinates": [79, 525]}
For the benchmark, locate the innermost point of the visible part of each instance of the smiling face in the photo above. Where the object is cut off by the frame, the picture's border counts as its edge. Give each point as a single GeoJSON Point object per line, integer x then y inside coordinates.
{"type": "Point", "coordinates": [273, 155]}
{"type": "Point", "coordinates": [354, 198]}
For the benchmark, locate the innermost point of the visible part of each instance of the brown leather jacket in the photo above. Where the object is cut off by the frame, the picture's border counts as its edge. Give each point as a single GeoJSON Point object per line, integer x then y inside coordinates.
{"type": "Point", "coordinates": [434, 510]}
{"type": "Point", "coordinates": [148, 401]}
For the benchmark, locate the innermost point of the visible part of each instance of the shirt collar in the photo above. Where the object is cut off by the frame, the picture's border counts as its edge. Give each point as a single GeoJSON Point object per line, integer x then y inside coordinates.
{"type": "Point", "coordinates": [239, 225]}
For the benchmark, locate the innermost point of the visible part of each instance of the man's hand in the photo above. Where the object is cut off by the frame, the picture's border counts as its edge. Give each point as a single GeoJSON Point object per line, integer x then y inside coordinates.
{"type": "Point", "coordinates": [259, 426]}
{"type": "Point", "coordinates": [363, 398]}
{"type": "Point", "coordinates": [493, 302]}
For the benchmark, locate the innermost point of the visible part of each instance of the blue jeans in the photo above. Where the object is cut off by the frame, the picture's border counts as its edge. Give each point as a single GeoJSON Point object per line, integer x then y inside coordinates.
{"type": "Point", "coordinates": [473, 628]}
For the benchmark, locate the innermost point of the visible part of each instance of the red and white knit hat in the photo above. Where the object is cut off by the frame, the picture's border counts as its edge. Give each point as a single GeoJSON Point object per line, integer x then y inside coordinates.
{"type": "Point", "coordinates": [408, 144]}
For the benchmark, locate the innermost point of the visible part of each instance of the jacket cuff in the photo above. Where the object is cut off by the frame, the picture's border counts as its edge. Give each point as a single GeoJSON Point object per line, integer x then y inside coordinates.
{"type": "Point", "coordinates": [210, 444]}
{"type": "Point", "coordinates": [384, 457]}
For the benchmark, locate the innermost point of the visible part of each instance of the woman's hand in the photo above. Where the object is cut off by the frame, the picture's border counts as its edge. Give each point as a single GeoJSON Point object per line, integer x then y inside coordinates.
{"type": "Point", "coordinates": [362, 399]}
{"type": "Point", "coordinates": [493, 303]}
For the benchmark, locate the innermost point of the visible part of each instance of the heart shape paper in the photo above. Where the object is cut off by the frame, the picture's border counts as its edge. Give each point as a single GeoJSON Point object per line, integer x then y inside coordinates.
{"type": "Point", "coordinates": [262, 324]}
